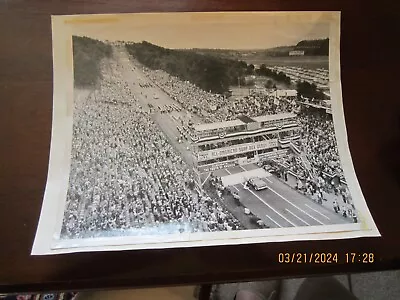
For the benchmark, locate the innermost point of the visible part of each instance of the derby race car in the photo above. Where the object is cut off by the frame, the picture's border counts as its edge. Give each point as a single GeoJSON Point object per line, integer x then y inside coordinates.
{"type": "Point", "coordinates": [257, 183]}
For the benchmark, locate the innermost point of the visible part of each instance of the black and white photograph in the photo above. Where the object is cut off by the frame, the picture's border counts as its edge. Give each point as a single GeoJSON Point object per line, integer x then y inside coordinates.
{"type": "Point", "coordinates": [197, 129]}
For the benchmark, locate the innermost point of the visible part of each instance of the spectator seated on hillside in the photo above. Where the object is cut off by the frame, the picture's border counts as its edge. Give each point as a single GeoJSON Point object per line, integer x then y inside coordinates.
{"type": "Point", "coordinates": [125, 174]}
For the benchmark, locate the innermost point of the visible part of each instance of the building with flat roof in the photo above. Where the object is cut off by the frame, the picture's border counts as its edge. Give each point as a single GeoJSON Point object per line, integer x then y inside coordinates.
{"type": "Point", "coordinates": [297, 53]}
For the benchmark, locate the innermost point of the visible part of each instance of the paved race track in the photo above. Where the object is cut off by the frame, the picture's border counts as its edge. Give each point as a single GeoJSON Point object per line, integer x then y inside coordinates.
{"type": "Point", "coordinates": [147, 93]}
{"type": "Point", "coordinates": [282, 206]}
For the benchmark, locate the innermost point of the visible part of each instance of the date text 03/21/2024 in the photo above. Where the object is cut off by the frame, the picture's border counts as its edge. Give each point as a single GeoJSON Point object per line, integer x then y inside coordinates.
{"type": "Point", "coordinates": [326, 258]}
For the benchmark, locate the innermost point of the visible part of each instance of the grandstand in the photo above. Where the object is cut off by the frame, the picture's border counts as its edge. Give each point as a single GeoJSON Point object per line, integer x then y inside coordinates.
{"type": "Point", "coordinates": [242, 141]}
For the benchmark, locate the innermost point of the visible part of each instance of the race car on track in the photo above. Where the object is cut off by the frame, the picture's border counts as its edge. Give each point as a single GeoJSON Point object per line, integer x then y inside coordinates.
{"type": "Point", "coordinates": [257, 183]}
{"type": "Point", "coordinates": [235, 195]}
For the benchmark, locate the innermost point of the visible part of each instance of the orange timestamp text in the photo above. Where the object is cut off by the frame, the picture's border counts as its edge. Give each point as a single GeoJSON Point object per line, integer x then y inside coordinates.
{"type": "Point", "coordinates": [325, 258]}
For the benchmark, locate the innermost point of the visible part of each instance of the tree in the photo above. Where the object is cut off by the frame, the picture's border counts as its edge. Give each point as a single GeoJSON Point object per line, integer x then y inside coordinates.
{"type": "Point", "coordinates": [280, 77]}
{"type": "Point", "coordinates": [87, 55]}
{"type": "Point", "coordinates": [263, 70]}
{"type": "Point", "coordinates": [269, 84]}
{"type": "Point", "coordinates": [308, 90]}
{"type": "Point", "coordinates": [250, 69]}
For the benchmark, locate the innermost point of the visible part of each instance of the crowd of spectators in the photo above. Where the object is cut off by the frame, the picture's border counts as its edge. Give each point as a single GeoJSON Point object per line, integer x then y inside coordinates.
{"type": "Point", "coordinates": [318, 168]}
{"type": "Point", "coordinates": [212, 107]}
{"type": "Point", "coordinates": [317, 134]}
{"type": "Point", "coordinates": [319, 142]}
{"type": "Point", "coordinates": [319, 160]}
{"type": "Point", "coordinates": [125, 175]}
{"type": "Point", "coordinates": [192, 98]}
{"type": "Point", "coordinates": [259, 104]}
{"type": "Point", "coordinates": [316, 186]}
{"type": "Point", "coordinates": [318, 146]}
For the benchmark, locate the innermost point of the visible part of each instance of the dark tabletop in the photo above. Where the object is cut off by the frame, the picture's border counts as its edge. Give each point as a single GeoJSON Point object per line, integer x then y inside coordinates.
{"type": "Point", "coordinates": [370, 77]}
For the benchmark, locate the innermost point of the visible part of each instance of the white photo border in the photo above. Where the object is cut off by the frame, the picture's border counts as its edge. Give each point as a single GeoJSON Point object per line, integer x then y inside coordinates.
{"type": "Point", "coordinates": [47, 240]}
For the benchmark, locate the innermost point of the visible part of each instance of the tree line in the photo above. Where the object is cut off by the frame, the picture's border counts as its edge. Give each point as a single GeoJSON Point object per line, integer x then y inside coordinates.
{"type": "Point", "coordinates": [277, 76]}
{"type": "Point", "coordinates": [263, 70]}
{"type": "Point", "coordinates": [87, 55]}
{"type": "Point", "coordinates": [207, 72]}
{"type": "Point", "coordinates": [309, 90]}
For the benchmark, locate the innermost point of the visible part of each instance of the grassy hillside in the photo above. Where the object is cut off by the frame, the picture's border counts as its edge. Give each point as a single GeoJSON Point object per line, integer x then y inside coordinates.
{"type": "Point", "coordinates": [87, 54]}
{"type": "Point", "coordinates": [206, 71]}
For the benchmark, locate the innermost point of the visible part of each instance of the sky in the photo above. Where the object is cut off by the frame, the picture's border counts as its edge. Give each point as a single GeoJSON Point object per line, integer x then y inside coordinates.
{"type": "Point", "coordinates": [206, 30]}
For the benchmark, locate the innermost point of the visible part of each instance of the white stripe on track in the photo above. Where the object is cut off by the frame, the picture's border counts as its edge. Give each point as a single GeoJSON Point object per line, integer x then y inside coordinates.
{"type": "Point", "coordinates": [243, 168]}
{"type": "Point", "coordinates": [269, 180]}
{"type": "Point", "coordinates": [294, 205]}
{"type": "Point", "coordinates": [277, 212]}
{"type": "Point", "coordinates": [297, 217]}
{"type": "Point", "coordinates": [273, 221]}
{"type": "Point", "coordinates": [317, 211]}
{"type": "Point", "coordinates": [206, 179]}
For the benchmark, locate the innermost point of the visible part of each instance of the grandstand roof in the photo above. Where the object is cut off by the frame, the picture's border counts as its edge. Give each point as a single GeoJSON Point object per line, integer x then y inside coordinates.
{"type": "Point", "coordinates": [217, 125]}
{"type": "Point", "coordinates": [274, 117]}
{"type": "Point", "coordinates": [242, 120]}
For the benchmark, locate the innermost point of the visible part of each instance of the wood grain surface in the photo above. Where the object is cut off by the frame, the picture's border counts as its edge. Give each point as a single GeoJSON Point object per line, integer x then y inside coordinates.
{"type": "Point", "coordinates": [370, 78]}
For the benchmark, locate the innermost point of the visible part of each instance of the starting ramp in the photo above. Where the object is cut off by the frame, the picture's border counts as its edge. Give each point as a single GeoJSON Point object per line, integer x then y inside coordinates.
{"type": "Point", "coordinates": [242, 177]}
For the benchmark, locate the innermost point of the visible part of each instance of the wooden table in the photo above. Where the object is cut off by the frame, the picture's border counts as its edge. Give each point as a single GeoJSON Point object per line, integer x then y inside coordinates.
{"type": "Point", "coordinates": [370, 66]}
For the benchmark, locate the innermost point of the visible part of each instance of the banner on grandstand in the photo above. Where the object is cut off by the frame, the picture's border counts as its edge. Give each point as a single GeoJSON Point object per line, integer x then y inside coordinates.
{"type": "Point", "coordinates": [234, 150]}
{"type": "Point", "coordinates": [217, 166]}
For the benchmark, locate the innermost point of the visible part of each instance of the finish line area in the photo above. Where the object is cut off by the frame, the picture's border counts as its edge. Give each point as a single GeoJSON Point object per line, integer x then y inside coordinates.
{"type": "Point", "coordinates": [279, 205]}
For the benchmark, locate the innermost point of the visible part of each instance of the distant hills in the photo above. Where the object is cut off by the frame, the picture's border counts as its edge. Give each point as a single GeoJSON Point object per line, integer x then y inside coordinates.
{"type": "Point", "coordinates": [318, 47]}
